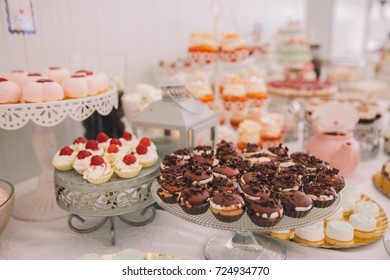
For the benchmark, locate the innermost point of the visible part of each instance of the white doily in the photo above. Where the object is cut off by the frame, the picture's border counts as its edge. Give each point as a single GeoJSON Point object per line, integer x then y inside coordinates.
{"type": "Point", "coordinates": [48, 114]}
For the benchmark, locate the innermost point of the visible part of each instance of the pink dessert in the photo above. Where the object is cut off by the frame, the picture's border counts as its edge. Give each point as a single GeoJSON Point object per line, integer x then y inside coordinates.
{"type": "Point", "coordinates": [57, 74]}
{"type": "Point", "coordinates": [301, 88]}
{"type": "Point", "coordinates": [31, 77]}
{"type": "Point", "coordinates": [75, 86]}
{"type": "Point", "coordinates": [93, 82]}
{"type": "Point", "coordinates": [9, 91]}
{"type": "Point", "coordinates": [16, 76]}
{"type": "Point", "coordinates": [43, 90]}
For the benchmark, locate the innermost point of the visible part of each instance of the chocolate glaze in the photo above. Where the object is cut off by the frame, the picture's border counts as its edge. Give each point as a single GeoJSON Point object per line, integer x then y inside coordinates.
{"type": "Point", "coordinates": [256, 189]}
{"type": "Point", "coordinates": [193, 196]}
{"type": "Point", "coordinates": [293, 199]}
{"type": "Point", "coordinates": [267, 206]}
{"type": "Point", "coordinates": [331, 177]}
{"type": "Point", "coordinates": [228, 171]}
{"type": "Point", "coordinates": [280, 151]}
{"type": "Point", "coordinates": [220, 184]}
{"type": "Point", "coordinates": [228, 199]}
{"type": "Point", "coordinates": [318, 189]}
{"type": "Point", "coordinates": [282, 181]}
{"type": "Point", "coordinates": [266, 168]}
{"type": "Point", "coordinates": [205, 159]}
{"type": "Point", "coordinates": [174, 184]}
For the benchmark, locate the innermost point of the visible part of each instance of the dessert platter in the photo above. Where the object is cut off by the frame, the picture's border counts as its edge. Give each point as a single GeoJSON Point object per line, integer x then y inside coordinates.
{"type": "Point", "coordinates": [107, 178]}
{"type": "Point", "coordinates": [245, 192]}
{"type": "Point", "coordinates": [316, 235]}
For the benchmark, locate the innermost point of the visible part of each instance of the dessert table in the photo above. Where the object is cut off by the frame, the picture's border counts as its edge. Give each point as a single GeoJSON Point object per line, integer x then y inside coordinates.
{"type": "Point", "coordinates": [50, 240]}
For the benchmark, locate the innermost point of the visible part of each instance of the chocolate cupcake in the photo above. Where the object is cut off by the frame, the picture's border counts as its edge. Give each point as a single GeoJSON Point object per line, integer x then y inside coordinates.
{"type": "Point", "coordinates": [227, 207]}
{"type": "Point", "coordinates": [172, 161]}
{"type": "Point", "coordinates": [205, 159]}
{"type": "Point", "coordinates": [300, 171]}
{"type": "Point", "coordinates": [198, 175]}
{"type": "Point", "coordinates": [311, 162]}
{"type": "Point", "coordinates": [322, 195]}
{"type": "Point", "coordinates": [332, 178]}
{"type": "Point", "coordinates": [277, 151]}
{"type": "Point", "coordinates": [296, 204]}
{"type": "Point", "coordinates": [203, 150]}
{"type": "Point", "coordinates": [221, 184]}
{"type": "Point", "coordinates": [230, 172]}
{"type": "Point", "coordinates": [243, 165]}
{"type": "Point", "coordinates": [283, 182]}
{"type": "Point", "coordinates": [194, 201]}
{"type": "Point", "coordinates": [184, 154]}
{"type": "Point", "coordinates": [266, 212]}
{"type": "Point", "coordinates": [268, 169]}
{"type": "Point", "coordinates": [256, 190]}
{"type": "Point", "coordinates": [173, 185]}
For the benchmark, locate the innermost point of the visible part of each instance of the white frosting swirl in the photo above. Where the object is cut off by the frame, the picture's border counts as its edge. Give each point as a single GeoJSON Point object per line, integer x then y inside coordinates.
{"type": "Point", "coordinates": [64, 159]}
{"type": "Point", "coordinates": [97, 171]}
{"type": "Point", "coordinates": [123, 167]}
{"type": "Point", "coordinates": [82, 164]}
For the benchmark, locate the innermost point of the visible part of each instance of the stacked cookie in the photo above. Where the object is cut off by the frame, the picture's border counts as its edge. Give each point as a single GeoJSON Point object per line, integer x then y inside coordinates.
{"type": "Point", "coordinates": [266, 184]}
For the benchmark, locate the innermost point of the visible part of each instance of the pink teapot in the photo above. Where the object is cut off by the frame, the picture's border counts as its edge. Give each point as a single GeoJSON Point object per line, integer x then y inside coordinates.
{"type": "Point", "coordinates": [333, 139]}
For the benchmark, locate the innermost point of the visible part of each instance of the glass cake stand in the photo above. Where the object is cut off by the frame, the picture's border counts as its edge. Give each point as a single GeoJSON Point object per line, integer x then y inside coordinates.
{"type": "Point", "coordinates": [104, 202]}
{"type": "Point", "coordinates": [239, 242]}
{"type": "Point", "coordinates": [40, 204]}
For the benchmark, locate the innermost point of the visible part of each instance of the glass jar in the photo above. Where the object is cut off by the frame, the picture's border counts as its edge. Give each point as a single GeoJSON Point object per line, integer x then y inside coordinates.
{"type": "Point", "coordinates": [368, 135]}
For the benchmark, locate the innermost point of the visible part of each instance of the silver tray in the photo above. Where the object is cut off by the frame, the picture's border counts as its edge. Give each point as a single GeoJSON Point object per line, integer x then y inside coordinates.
{"type": "Point", "coordinates": [244, 223]}
{"type": "Point", "coordinates": [115, 197]}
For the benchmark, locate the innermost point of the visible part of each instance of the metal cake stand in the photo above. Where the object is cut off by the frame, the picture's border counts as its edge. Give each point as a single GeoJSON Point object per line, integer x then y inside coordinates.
{"type": "Point", "coordinates": [107, 201]}
{"type": "Point", "coordinates": [243, 239]}
{"type": "Point", "coordinates": [40, 204]}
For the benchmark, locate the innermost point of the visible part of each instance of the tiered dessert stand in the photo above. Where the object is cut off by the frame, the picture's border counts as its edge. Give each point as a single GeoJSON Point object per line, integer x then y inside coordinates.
{"type": "Point", "coordinates": [40, 204]}
{"type": "Point", "coordinates": [106, 201]}
{"type": "Point", "coordinates": [243, 239]}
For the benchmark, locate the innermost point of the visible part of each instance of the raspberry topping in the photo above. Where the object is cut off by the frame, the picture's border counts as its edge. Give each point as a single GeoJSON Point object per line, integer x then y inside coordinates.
{"type": "Point", "coordinates": [5, 80]}
{"type": "Point", "coordinates": [141, 149]}
{"type": "Point", "coordinates": [83, 154]}
{"type": "Point", "coordinates": [102, 137]}
{"type": "Point", "coordinates": [97, 160]}
{"type": "Point", "coordinates": [88, 73]}
{"type": "Point", "coordinates": [127, 136]}
{"type": "Point", "coordinates": [66, 151]}
{"type": "Point", "coordinates": [79, 140]}
{"type": "Point", "coordinates": [34, 75]}
{"type": "Point", "coordinates": [92, 145]}
{"type": "Point", "coordinates": [145, 141]}
{"type": "Point", "coordinates": [129, 159]}
{"type": "Point", "coordinates": [112, 149]}
{"type": "Point", "coordinates": [115, 141]}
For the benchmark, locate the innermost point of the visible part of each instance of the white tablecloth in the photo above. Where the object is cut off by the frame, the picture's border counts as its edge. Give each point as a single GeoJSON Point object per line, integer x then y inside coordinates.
{"type": "Point", "coordinates": [166, 234]}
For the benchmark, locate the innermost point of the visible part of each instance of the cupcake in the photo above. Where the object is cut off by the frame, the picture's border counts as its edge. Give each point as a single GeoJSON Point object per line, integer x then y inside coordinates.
{"type": "Point", "coordinates": [146, 157]}
{"type": "Point", "coordinates": [265, 212]}
{"type": "Point", "coordinates": [82, 161]}
{"type": "Point", "coordinates": [99, 171]}
{"type": "Point", "coordinates": [310, 235]}
{"type": "Point", "coordinates": [221, 185]}
{"type": "Point", "coordinates": [331, 177]}
{"type": "Point", "coordinates": [322, 196]}
{"type": "Point", "coordinates": [256, 190]}
{"type": "Point", "coordinates": [171, 161]}
{"type": "Point", "coordinates": [339, 233]}
{"type": "Point", "coordinates": [170, 187]}
{"type": "Point", "coordinates": [129, 140]}
{"type": "Point", "coordinates": [267, 169]}
{"type": "Point", "coordinates": [127, 166]}
{"type": "Point", "coordinates": [286, 182]}
{"type": "Point", "coordinates": [112, 153]}
{"type": "Point", "coordinates": [227, 207]}
{"type": "Point", "coordinates": [146, 141]}
{"type": "Point", "coordinates": [296, 204]}
{"type": "Point", "coordinates": [364, 226]}
{"type": "Point", "coordinates": [185, 154]}
{"type": "Point", "coordinates": [93, 147]}
{"type": "Point", "coordinates": [225, 171]}
{"type": "Point", "coordinates": [64, 158]}
{"type": "Point", "coordinates": [79, 144]}
{"type": "Point", "coordinates": [277, 151]}
{"type": "Point", "coordinates": [194, 200]}
{"type": "Point", "coordinates": [198, 175]}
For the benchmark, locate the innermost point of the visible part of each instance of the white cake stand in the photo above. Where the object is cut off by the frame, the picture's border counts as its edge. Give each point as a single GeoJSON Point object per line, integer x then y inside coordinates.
{"type": "Point", "coordinates": [40, 204]}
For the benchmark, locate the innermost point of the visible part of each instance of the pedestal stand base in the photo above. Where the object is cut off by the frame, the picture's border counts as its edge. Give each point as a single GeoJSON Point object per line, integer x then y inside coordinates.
{"type": "Point", "coordinates": [145, 219]}
{"type": "Point", "coordinates": [243, 246]}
